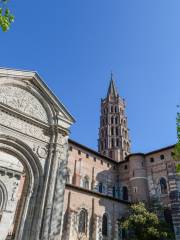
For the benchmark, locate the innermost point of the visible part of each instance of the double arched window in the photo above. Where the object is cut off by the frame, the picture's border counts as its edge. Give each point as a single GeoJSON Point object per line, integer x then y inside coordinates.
{"type": "Point", "coordinates": [83, 219]}
{"type": "Point", "coordinates": [125, 193]}
{"type": "Point", "coordinates": [163, 185]}
{"type": "Point", "coordinates": [105, 226]}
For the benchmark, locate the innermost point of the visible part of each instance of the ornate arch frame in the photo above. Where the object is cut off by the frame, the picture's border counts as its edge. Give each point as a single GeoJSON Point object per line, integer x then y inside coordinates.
{"type": "Point", "coordinates": [28, 228]}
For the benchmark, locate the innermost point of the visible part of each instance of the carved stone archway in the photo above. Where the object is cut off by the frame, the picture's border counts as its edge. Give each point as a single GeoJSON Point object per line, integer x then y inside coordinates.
{"type": "Point", "coordinates": [34, 175]}
{"type": "Point", "coordinates": [34, 127]}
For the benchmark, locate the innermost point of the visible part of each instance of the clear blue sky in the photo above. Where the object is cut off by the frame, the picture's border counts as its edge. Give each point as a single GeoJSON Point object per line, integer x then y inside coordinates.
{"type": "Point", "coordinates": [75, 44]}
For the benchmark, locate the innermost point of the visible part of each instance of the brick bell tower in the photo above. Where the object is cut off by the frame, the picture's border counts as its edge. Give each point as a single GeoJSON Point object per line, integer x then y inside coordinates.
{"type": "Point", "coordinates": [113, 132]}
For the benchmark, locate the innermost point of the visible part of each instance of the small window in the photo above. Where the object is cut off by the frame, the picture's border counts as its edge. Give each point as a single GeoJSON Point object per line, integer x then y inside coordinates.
{"type": "Point", "coordinates": [112, 120]}
{"type": "Point", "coordinates": [94, 159]}
{"type": "Point", "coordinates": [101, 162]}
{"type": "Point", "coordinates": [112, 109]}
{"type": "Point", "coordinates": [152, 159]}
{"type": "Point", "coordinates": [79, 152]}
{"type": "Point", "coordinates": [125, 167]}
{"type": "Point", "coordinates": [161, 156]}
{"type": "Point", "coordinates": [70, 148]}
{"type": "Point", "coordinates": [87, 155]}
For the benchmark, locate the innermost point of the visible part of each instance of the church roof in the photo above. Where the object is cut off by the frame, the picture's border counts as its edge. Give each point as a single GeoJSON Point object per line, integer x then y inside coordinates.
{"type": "Point", "coordinates": [112, 91]}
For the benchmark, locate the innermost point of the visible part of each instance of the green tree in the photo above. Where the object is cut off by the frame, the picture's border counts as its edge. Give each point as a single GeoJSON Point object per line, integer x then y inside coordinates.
{"type": "Point", "coordinates": [145, 225]}
{"type": "Point", "coordinates": [6, 18]}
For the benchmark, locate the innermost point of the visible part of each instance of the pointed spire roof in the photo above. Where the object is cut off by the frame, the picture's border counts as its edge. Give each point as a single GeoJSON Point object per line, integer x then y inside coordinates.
{"type": "Point", "coordinates": [112, 91]}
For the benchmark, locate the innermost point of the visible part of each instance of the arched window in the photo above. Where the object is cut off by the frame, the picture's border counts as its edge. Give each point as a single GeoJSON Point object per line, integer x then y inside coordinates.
{"type": "Point", "coordinates": [112, 120]}
{"type": "Point", "coordinates": [83, 218]}
{"type": "Point", "coordinates": [112, 131]}
{"type": "Point", "coordinates": [117, 142]}
{"type": "Point", "coordinates": [125, 134]}
{"type": "Point", "coordinates": [86, 182]}
{"type": "Point", "coordinates": [112, 143]}
{"type": "Point", "coordinates": [125, 193]}
{"type": "Point", "coordinates": [112, 109]}
{"type": "Point", "coordinates": [104, 226]}
{"type": "Point", "coordinates": [116, 120]}
{"type": "Point", "coordinates": [163, 185]}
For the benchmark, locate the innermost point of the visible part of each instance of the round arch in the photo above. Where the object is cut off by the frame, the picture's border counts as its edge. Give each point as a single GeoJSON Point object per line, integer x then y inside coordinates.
{"type": "Point", "coordinates": [34, 189]}
{"type": "Point", "coordinates": [3, 196]}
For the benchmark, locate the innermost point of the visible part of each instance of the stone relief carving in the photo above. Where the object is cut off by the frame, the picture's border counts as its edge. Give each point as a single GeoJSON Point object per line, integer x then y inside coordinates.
{"type": "Point", "coordinates": [42, 152]}
{"type": "Point", "coordinates": [24, 127]}
{"type": "Point", "coordinates": [23, 101]}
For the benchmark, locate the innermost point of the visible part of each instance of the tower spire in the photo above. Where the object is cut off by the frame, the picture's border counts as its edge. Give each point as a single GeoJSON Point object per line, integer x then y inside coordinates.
{"type": "Point", "coordinates": [112, 91]}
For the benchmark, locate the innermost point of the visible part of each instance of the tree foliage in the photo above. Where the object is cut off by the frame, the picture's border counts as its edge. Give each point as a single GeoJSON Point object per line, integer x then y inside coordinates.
{"type": "Point", "coordinates": [6, 18]}
{"type": "Point", "coordinates": [145, 225]}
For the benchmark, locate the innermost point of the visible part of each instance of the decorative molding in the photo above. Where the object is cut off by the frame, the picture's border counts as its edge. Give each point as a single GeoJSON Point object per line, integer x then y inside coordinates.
{"type": "Point", "coordinates": [22, 126]}
{"type": "Point", "coordinates": [23, 101]}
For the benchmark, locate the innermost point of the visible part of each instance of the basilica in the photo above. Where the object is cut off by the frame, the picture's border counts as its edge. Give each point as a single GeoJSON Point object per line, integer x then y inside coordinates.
{"type": "Point", "coordinates": [54, 188]}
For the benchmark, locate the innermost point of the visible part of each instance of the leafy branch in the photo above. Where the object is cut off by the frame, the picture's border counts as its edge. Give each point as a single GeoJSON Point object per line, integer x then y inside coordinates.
{"type": "Point", "coordinates": [6, 18]}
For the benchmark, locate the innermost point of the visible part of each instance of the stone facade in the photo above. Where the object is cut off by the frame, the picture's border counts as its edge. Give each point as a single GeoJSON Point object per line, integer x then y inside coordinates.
{"type": "Point", "coordinates": [53, 188]}
{"type": "Point", "coordinates": [34, 128]}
